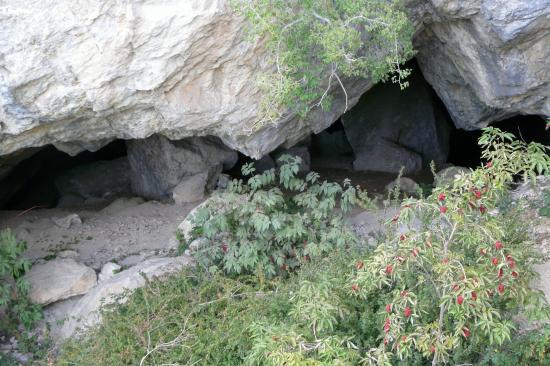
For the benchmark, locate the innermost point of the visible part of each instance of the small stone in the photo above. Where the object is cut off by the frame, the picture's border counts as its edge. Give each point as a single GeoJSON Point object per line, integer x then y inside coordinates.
{"type": "Point", "coordinates": [68, 254]}
{"type": "Point", "coordinates": [67, 221]}
{"type": "Point", "coordinates": [107, 271]}
{"type": "Point", "coordinates": [190, 189]}
{"type": "Point", "coordinates": [59, 279]}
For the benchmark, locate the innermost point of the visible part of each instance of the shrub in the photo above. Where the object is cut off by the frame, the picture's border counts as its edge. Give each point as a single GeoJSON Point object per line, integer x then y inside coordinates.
{"type": "Point", "coordinates": [340, 39]}
{"type": "Point", "coordinates": [269, 230]}
{"type": "Point", "coordinates": [460, 277]}
{"type": "Point", "coordinates": [13, 287]}
{"type": "Point", "coordinates": [196, 318]}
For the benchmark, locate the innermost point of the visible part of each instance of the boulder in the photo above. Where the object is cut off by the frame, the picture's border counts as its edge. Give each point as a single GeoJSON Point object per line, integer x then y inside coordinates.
{"type": "Point", "coordinates": [158, 165]}
{"type": "Point", "coordinates": [385, 156]}
{"type": "Point", "coordinates": [447, 176]}
{"type": "Point", "coordinates": [190, 189]}
{"type": "Point", "coordinates": [96, 180]}
{"type": "Point", "coordinates": [59, 279]}
{"type": "Point", "coordinates": [390, 128]}
{"type": "Point", "coordinates": [85, 311]}
{"type": "Point", "coordinates": [405, 185]}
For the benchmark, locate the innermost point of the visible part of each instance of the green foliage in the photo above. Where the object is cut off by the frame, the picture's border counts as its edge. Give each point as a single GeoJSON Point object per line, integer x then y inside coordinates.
{"type": "Point", "coordinates": [340, 39]}
{"type": "Point", "coordinates": [449, 291]}
{"type": "Point", "coordinates": [461, 276]}
{"type": "Point", "coordinates": [196, 318]}
{"type": "Point", "coordinates": [13, 287]}
{"type": "Point", "coordinates": [266, 231]}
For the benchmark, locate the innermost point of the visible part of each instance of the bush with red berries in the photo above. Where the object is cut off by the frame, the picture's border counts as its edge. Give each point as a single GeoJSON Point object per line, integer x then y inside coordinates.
{"type": "Point", "coordinates": [275, 221]}
{"type": "Point", "coordinates": [457, 278]}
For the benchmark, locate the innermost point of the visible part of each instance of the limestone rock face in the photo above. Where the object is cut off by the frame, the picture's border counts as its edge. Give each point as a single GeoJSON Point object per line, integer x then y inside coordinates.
{"type": "Point", "coordinates": [487, 59]}
{"type": "Point", "coordinates": [59, 279]}
{"type": "Point", "coordinates": [81, 74]}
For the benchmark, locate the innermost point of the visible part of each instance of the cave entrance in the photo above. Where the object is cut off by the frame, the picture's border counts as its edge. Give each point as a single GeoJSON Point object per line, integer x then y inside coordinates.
{"type": "Point", "coordinates": [43, 179]}
{"type": "Point", "coordinates": [465, 151]}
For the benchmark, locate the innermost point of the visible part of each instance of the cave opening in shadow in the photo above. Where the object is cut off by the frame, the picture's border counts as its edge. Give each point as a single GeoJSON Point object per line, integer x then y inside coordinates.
{"type": "Point", "coordinates": [465, 151]}
{"type": "Point", "coordinates": [40, 180]}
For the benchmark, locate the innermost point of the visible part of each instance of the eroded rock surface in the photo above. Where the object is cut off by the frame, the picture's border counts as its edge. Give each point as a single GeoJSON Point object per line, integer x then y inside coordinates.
{"type": "Point", "coordinates": [81, 74]}
{"type": "Point", "coordinates": [487, 59]}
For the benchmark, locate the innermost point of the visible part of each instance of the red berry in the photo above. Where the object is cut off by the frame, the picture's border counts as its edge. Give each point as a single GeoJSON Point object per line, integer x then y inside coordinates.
{"type": "Point", "coordinates": [500, 272]}
{"type": "Point", "coordinates": [404, 338]}
{"type": "Point", "coordinates": [225, 248]}
{"type": "Point", "coordinates": [359, 265]}
{"type": "Point", "coordinates": [402, 237]}
{"type": "Point", "coordinates": [474, 295]}
{"type": "Point", "coordinates": [388, 308]}
{"type": "Point", "coordinates": [489, 164]}
{"type": "Point", "coordinates": [478, 194]}
{"type": "Point", "coordinates": [387, 325]}
{"type": "Point", "coordinates": [400, 259]}
{"type": "Point", "coordinates": [389, 269]}
{"type": "Point", "coordinates": [441, 197]}
{"type": "Point", "coordinates": [385, 341]}
{"type": "Point", "coordinates": [498, 245]}
{"type": "Point", "coordinates": [415, 252]}
{"type": "Point", "coordinates": [460, 299]}
{"type": "Point", "coordinates": [494, 261]}
{"type": "Point", "coordinates": [395, 218]}
{"type": "Point", "coordinates": [408, 312]}
{"type": "Point", "coordinates": [514, 274]}
{"type": "Point", "coordinates": [355, 287]}
{"type": "Point", "coordinates": [445, 261]}
{"type": "Point", "coordinates": [501, 288]}
{"type": "Point", "coordinates": [466, 332]}
{"type": "Point", "coordinates": [432, 349]}
{"type": "Point", "coordinates": [482, 209]}
{"type": "Point", "coordinates": [443, 209]}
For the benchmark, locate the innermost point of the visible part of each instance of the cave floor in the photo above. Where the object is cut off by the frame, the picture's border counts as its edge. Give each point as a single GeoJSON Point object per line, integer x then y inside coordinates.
{"type": "Point", "coordinates": [127, 231]}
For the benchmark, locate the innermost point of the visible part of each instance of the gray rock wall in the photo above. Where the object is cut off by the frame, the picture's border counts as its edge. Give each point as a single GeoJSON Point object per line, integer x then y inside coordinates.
{"type": "Point", "coordinates": [81, 74]}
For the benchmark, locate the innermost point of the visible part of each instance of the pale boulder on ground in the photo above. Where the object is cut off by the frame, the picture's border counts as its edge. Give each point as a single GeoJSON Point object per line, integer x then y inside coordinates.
{"type": "Point", "coordinates": [59, 279]}
{"type": "Point", "coordinates": [85, 312]}
{"type": "Point", "coordinates": [190, 189]}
